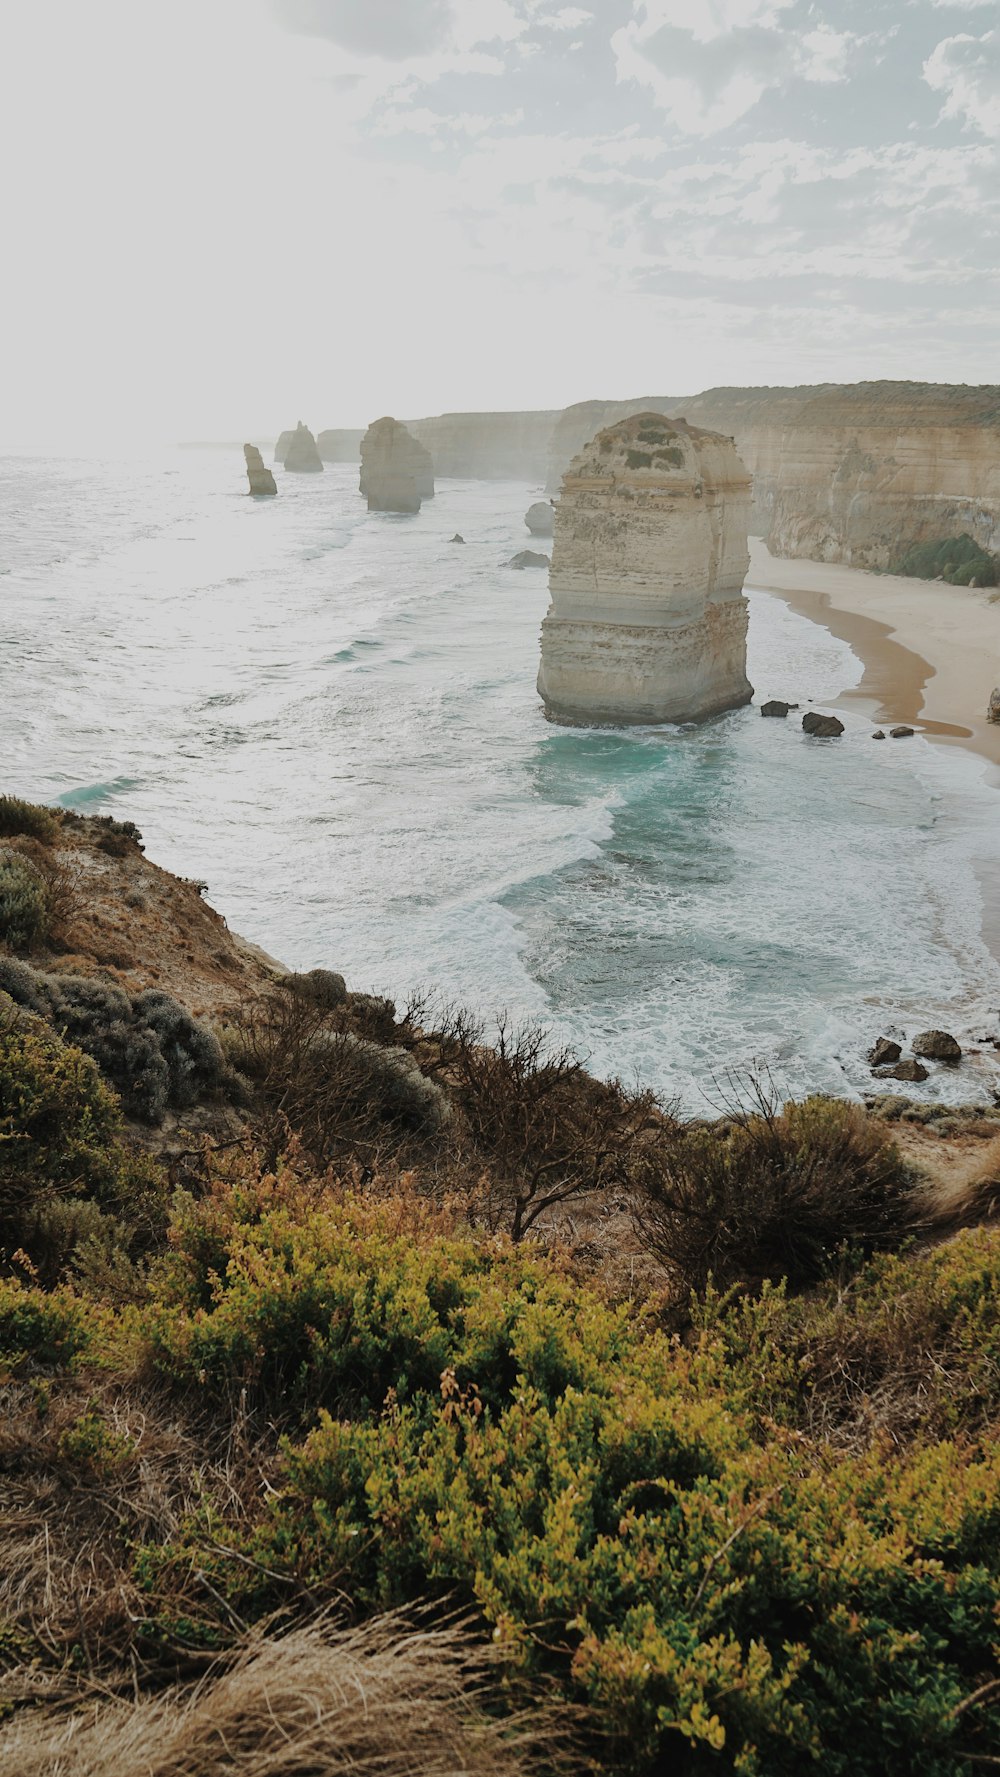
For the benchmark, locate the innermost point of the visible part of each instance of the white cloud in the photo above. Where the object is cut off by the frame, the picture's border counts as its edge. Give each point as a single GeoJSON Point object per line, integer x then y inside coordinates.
{"type": "Point", "coordinates": [967, 70]}
{"type": "Point", "coordinates": [708, 19]}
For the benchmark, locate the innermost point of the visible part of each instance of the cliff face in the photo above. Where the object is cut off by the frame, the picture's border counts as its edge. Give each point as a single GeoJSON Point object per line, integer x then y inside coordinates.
{"type": "Point", "coordinates": [648, 622]}
{"type": "Point", "coordinates": [488, 446]}
{"type": "Point", "coordinates": [302, 455]}
{"type": "Point", "coordinates": [396, 471]}
{"type": "Point", "coordinates": [340, 445]}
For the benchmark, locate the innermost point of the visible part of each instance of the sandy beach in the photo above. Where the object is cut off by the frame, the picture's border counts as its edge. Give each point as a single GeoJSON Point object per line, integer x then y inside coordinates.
{"type": "Point", "coordinates": [931, 652]}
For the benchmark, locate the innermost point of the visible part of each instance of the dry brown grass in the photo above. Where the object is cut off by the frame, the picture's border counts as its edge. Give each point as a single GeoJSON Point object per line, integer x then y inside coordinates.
{"type": "Point", "coordinates": [391, 1698]}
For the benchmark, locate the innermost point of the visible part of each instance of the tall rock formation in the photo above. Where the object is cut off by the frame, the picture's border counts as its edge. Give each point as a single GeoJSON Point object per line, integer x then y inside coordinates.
{"type": "Point", "coordinates": [577, 425]}
{"type": "Point", "coordinates": [488, 446]}
{"type": "Point", "coordinates": [281, 448]}
{"type": "Point", "coordinates": [302, 455]}
{"type": "Point", "coordinates": [541, 518]}
{"type": "Point", "coordinates": [340, 445]}
{"type": "Point", "coordinates": [396, 471]}
{"type": "Point", "coordinates": [647, 621]}
{"type": "Point", "coordinates": [258, 474]}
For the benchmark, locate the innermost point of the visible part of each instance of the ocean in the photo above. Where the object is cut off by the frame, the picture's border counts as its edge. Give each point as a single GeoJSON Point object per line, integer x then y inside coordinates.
{"type": "Point", "coordinates": [330, 717]}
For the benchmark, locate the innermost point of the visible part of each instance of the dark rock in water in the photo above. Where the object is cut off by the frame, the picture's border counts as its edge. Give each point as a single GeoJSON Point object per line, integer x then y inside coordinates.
{"type": "Point", "coordinates": [884, 1053]}
{"type": "Point", "coordinates": [937, 1045]}
{"type": "Point", "coordinates": [776, 707]}
{"type": "Point", "coordinates": [993, 707]}
{"type": "Point", "coordinates": [878, 735]}
{"type": "Point", "coordinates": [302, 455]}
{"type": "Point", "coordinates": [908, 1070]}
{"type": "Point", "coordinates": [259, 476]}
{"type": "Point", "coordinates": [528, 558]}
{"type": "Point", "coordinates": [540, 518]}
{"type": "Point", "coordinates": [824, 727]}
{"type": "Point", "coordinates": [458, 537]}
{"type": "Point", "coordinates": [899, 733]}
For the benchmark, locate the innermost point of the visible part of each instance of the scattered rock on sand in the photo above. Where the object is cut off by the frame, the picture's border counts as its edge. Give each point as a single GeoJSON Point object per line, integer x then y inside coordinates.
{"type": "Point", "coordinates": [884, 1053]}
{"type": "Point", "coordinates": [824, 727]}
{"type": "Point", "coordinates": [900, 733]}
{"type": "Point", "coordinates": [908, 1070]}
{"type": "Point", "coordinates": [993, 707]}
{"type": "Point", "coordinates": [937, 1045]}
{"type": "Point", "coordinates": [878, 735]}
{"type": "Point", "coordinates": [528, 558]}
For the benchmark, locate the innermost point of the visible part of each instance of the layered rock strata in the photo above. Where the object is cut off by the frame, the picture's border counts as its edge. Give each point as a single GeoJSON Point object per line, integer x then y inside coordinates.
{"type": "Point", "coordinates": [577, 425]}
{"type": "Point", "coordinates": [302, 455]}
{"type": "Point", "coordinates": [258, 474]}
{"type": "Point", "coordinates": [396, 471]}
{"type": "Point", "coordinates": [647, 621]}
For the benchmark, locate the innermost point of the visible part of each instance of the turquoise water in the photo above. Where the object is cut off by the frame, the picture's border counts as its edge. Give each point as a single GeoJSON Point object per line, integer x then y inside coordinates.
{"type": "Point", "coordinates": [330, 717]}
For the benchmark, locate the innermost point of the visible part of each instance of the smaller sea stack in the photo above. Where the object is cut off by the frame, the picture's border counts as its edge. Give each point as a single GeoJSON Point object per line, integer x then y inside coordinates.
{"type": "Point", "coordinates": [258, 474]}
{"type": "Point", "coordinates": [396, 471]}
{"type": "Point", "coordinates": [301, 454]}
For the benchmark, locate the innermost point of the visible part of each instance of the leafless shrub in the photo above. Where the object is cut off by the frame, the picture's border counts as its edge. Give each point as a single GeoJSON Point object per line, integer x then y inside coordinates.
{"type": "Point", "coordinates": [390, 1698]}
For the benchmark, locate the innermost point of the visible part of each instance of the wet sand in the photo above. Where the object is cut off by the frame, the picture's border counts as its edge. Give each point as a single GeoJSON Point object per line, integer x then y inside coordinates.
{"type": "Point", "coordinates": [930, 652]}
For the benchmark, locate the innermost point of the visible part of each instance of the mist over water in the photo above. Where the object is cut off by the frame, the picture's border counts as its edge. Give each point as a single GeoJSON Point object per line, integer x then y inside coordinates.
{"type": "Point", "coordinates": [330, 717]}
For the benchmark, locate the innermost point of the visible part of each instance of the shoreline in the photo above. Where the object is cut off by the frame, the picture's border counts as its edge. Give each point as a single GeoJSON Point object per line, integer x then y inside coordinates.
{"type": "Point", "coordinates": [930, 652]}
{"type": "Point", "coordinates": [930, 656]}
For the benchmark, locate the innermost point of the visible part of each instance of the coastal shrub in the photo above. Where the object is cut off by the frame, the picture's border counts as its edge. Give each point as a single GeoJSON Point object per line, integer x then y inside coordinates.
{"type": "Point", "coordinates": [28, 819]}
{"type": "Point", "coordinates": [775, 1194]}
{"type": "Point", "coordinates": [959, 560]}
{"type": "Point", "coordinates": [60, 1143]}
{"type": "Point", "coordinates": [24, 906]}
{"type": "Point", "coordinates": [633, 1527]}
{"type": "Point", "coordinates": [324, 988]}
{"type": "Point", "coordinates": [44, 1326]}
{"type": "Point", "coordinates": [150, 1049]}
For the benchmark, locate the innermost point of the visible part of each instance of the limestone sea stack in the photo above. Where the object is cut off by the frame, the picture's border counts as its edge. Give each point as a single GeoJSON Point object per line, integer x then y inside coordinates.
{"type": "Point", "coordinates": [396, 471]}
{"type": "Point", "coordinates": [302, 455]}
{"type": "Point", "coordinates": [647, 620]}
{"type": "Point", "coordinates": [258, 474]}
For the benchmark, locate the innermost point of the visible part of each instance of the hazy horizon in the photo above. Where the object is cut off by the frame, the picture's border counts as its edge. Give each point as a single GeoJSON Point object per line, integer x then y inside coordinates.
{"type": "Point", "coordinates": [223, 216]}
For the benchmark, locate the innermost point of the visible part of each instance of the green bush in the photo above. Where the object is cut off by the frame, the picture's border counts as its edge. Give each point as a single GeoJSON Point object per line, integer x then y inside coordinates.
{"type": "Point", "coordinates": [772, 1195]}
{"type": "Point", "coordinates": [959, 560]}
{"type": "Point", "coordinates": [24, 903]}
{"type": "Point", "coordinates": [60, 1141]}
{"type": "Point", "coordinates": [722, 1593]}
{"type": "Point", "coordinates": [152, 1051]}
{"type": "Point", "coordinates": [29, 819]}
{"type": "Point", "coordinates": [45, 1327]}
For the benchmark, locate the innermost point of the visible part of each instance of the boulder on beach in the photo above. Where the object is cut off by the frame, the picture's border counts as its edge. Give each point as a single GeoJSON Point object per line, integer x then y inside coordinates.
{"type": "Point", "coordinates": [993, 707]}
{"type": "Point", "coordinates": [900, 733]}
{"type": "Point", "coordinates": [302, 455]}
{"type": "Point", "coordinates": [775, 707]}
{"type": "Point", "coordinates": [258, 474]}
{"type": "Point", "coordinates": [540, 518]}
{"type": "Point", "coordinates": [884, 1053]}
{"type": "Point", "coordinates": [528, 558]}
{"type": "Point", "coordinates": [823, 727]}
{"type": "Point", "coordinates": [908, 1070]}
{"type": "Point", "coordinates": [937, 1045]}
{"type": "Point", "coordinates": [879, 734]}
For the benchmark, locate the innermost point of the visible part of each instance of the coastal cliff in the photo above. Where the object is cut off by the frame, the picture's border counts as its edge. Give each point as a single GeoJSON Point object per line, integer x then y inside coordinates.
{"type": "Point", "coordinates": [340, 445]}
{"type": "Point", "coordinates": [648, 621]}
{"type": "Point", "coordinates": [489, 446]}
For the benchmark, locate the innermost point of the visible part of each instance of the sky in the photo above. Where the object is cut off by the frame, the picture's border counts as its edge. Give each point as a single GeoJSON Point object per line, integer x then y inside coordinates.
{"type": "Point", "coordinates": [220, 216]}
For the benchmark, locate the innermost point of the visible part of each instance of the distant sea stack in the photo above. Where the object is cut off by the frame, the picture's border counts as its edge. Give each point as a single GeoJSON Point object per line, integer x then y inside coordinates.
{"type": "Point", "coordinates": [647, 621]}
{"type": "Point", "coordinates": [301, 454]}
{"type": "Point", "coordinates": [396, 471]}
{"type": "Point", "coordinates": [259, 476]}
